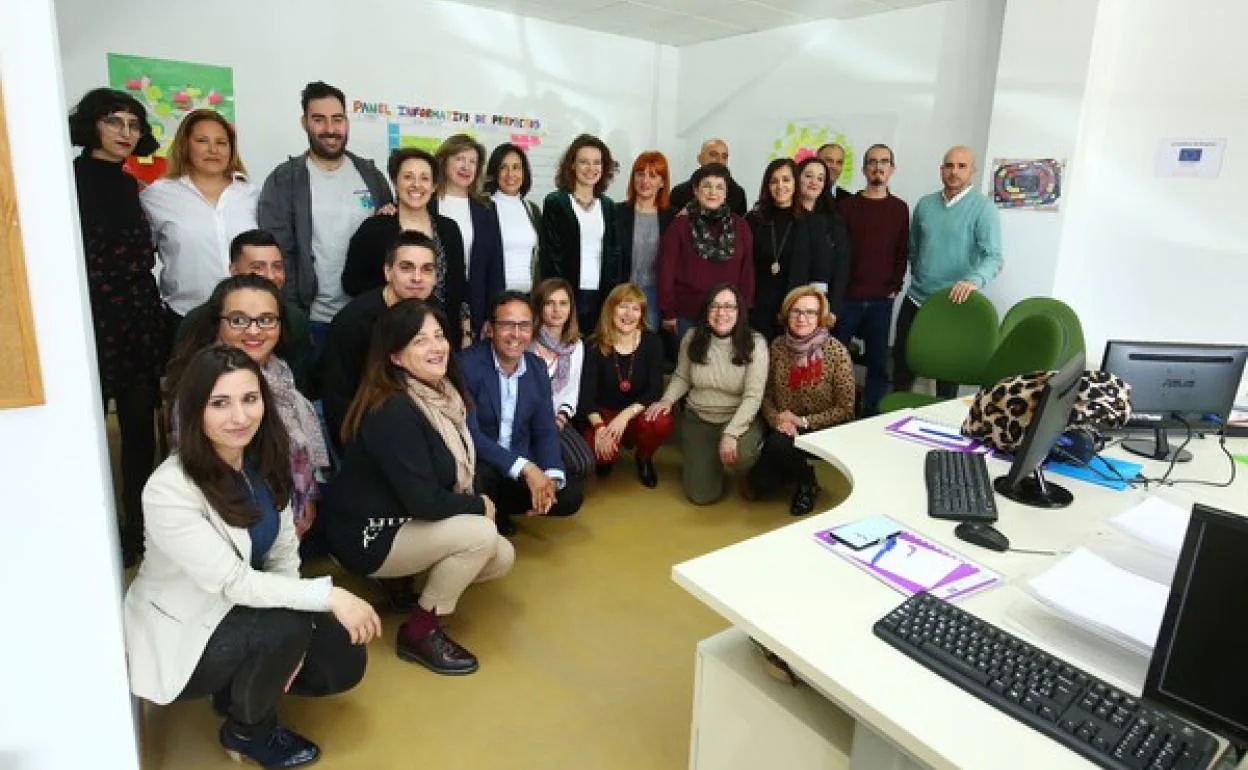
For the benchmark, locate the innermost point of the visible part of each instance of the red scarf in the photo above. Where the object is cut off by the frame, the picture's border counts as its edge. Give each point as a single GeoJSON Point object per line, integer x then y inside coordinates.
{"type": "Point", "coordinates": [807, 366]}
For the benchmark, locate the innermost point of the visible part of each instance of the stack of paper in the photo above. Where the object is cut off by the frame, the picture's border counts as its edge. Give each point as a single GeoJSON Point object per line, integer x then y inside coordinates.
{"type": "Point", "coordinates": [1115, 604]}
{"type": "Point", "coordinates": [1157, 522]}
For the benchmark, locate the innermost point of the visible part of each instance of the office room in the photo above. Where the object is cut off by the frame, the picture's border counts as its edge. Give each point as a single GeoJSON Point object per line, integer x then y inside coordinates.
{"type": "Point", "coordinates": [590, 646]}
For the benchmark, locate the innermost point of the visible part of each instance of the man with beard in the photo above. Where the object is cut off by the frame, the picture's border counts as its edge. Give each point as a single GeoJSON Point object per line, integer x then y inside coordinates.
{"type": "Point", "coordinates": [313, 204]}
{"type": "Point", "coordinates": [878, 224]}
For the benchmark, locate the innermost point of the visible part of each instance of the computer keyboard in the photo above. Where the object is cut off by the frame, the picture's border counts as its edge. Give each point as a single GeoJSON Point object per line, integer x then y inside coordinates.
{"type": "Point", "coordinates": [958, 487]}
{"type": "Point", "coordinates": [1107, 726]}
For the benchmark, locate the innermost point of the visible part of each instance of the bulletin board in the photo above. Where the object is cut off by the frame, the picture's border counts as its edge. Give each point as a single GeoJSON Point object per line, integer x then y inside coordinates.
{"type": "Point", "coordinates": [20, 381]}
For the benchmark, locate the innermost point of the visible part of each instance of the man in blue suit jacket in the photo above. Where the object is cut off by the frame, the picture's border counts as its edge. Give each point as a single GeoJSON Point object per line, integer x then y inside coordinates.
{"type": "Point", "coordinates": [512, 419]}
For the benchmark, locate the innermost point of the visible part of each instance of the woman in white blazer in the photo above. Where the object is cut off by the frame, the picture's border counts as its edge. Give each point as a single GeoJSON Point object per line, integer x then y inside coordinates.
{"type": "Point", "coordinates": [218, 607]}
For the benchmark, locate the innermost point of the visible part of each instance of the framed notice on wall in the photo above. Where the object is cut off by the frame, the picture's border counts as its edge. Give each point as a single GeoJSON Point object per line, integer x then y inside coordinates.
{"type": "Point", "coordinates": [20, 382]}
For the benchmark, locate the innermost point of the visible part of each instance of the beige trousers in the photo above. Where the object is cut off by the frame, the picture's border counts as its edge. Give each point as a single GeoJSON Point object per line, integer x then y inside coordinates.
{"type": "Point", "coordinates": [457, 552]}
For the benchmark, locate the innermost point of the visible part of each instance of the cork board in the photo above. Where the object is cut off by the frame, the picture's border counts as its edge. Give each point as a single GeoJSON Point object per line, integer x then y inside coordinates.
{"type": "Point", "coordinates": [20, 381]}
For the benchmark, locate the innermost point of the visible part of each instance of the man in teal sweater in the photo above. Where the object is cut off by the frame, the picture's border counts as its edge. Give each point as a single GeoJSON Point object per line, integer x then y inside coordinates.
{"type": "Point", "coordinates": [955, 246]}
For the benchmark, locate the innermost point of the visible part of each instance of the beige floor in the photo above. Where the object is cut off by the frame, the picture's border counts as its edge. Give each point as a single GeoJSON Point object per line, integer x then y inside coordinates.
{"type": "Point", "coordinates": [586, 651]}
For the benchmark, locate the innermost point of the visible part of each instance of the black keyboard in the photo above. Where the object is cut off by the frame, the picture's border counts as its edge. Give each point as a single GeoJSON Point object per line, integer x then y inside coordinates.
{"type": "Point", "coordinates": [1106, 725]}
{"type": "Point", "coordinates": [958, 487]}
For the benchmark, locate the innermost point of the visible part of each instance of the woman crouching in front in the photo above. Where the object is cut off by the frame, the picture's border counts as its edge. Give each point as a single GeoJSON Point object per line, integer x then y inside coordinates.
{"type": "Point", "coordinates": [218, 607]}
{"type": "Point", "coordinates": [403, 503]}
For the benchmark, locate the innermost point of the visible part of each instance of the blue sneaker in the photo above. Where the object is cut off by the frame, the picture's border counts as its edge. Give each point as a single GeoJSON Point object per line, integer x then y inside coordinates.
{"type": "Point", "coordinates": [283, 748]}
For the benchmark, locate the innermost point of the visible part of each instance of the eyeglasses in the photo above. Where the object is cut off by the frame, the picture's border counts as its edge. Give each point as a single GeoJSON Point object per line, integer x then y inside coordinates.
{"type": "Point", "coordinates": [514, 326]}
{"type": "Point", "coordinates": [726, 307]}
{"type": "Point", "coordinates": [241, 322]}
{"type": "Point", "coordinates": [798, 312]}
{"type": "Point", "coordinates": [118, 123]}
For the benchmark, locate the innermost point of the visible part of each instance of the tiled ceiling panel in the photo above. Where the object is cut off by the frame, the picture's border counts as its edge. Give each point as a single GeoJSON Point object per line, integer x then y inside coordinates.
{"type": "Point", "coordinates": [682, 22]}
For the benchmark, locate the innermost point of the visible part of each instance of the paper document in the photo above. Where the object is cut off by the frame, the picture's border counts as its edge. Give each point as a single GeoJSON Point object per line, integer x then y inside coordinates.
{"type": "Point", "coordinates": [1158, 522]}
{"type": "Point", "coordinates": [919, 564]}
{"type": "Point", "coordinates": [934, 434]}
{"type": "Point", "coordinates": [1088, 590]}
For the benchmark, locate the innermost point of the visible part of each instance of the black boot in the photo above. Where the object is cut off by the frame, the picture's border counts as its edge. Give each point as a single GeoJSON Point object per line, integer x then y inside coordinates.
{"type": "Point", "coordinates": [281, 748]}
{"type": "Point", "coordinates": [646, 473]}
{"type": "Point", "coordinates": [804, 496]}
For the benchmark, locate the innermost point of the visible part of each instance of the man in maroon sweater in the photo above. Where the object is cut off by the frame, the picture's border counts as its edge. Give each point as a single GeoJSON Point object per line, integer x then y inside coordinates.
{"type": "Point", "coordinates": [879, 232]}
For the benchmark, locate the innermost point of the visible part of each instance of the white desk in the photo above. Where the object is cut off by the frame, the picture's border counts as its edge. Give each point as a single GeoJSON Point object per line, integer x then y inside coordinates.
{"type": "Point", "coordinates": [816, 611]}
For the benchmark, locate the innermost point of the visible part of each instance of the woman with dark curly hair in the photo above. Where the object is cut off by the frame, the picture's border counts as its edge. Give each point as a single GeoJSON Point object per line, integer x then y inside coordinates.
{"type": "Point", "coordinates": [131, 341]}
{"type": "Point", "coordinates": [578, 227]}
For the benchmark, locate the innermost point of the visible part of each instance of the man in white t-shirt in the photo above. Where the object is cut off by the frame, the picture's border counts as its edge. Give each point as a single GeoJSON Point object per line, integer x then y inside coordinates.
{"type": "Point", "coordinates": [313, 204]}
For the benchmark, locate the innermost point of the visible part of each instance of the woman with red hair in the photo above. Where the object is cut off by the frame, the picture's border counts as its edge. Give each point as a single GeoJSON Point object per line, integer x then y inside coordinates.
{"type": "Point", "coordinates": [640, 224]}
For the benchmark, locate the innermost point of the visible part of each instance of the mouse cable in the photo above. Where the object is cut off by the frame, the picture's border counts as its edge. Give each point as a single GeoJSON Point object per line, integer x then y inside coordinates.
{"type": "Point", "coordinates": [1036, 551]}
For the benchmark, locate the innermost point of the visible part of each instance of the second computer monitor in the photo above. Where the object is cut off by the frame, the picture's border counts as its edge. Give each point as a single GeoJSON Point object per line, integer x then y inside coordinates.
{"type": "Point", "coordinates": [1025, 483]}
{"type": "Point", "coordinates": [1174, 383]}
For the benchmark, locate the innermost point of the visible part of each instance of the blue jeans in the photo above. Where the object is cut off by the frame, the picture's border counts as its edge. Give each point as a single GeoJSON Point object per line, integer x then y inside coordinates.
{"type": "Point", "coordinates": [869, 321]}
{"type": "Point", "coordinates": [652, 308]}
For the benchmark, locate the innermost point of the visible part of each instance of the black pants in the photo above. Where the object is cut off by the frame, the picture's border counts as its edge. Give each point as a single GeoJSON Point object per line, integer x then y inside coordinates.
{"type": "Point", "coordinates": [136, 422]}
{"type": "Point", "coordinates": [511, 496]}
{"type": "Point", "coordinates": [588, 305]}
{"type": "Point", "coordinates": [903, 378]}
{"type": "Point", "coordinates": [252, 654]}
{"type": "Point", "coordinates": [781, 463]}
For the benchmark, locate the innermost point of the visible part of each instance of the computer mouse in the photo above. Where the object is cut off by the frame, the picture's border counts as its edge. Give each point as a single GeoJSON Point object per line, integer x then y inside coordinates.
{"type": "Point", "coordinates": [983, 535]}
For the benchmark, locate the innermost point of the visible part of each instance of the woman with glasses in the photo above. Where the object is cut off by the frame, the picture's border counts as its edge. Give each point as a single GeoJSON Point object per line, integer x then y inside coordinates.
{"type": "Point", "coordinates": [790, 248]}
{"type": "Point", "coordinates": [578, 227]}
{"type": "Point", "coordinates": [709, 245]}
{"type": "Point", "coordinates": [721, 373]}
{"type": "Point", "coordinates": [197, 209]}
{"type": "Point", "coordinates": [812, 197]}
{"type": "Point", "coordinates": [810, 386]}
{"type": "Point", "coordinates": [130, 336]}
{"type": "Point", "coordinates": [245, 312]}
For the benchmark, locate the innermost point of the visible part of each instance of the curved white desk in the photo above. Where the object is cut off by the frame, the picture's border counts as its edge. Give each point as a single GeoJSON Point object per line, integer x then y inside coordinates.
{"type": "Point", "coordinates": [816, 611]}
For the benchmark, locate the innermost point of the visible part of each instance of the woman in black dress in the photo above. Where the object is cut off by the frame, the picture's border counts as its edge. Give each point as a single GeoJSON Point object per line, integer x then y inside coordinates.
{"type": "Point", "coordinates": [131, 341]}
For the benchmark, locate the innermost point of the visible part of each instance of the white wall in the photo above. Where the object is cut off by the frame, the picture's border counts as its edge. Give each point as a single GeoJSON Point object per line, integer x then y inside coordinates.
{"type": "Point", "coordinates": [1142, 256]}
{"type": "Point", "coordinates": [62, 663]}
{"type": "Point", "coordinates": [430, 52]}
{"type": "Point", "coordinates": [919, 78]}
{"type": "Point", "coordinates": [1036, 113]}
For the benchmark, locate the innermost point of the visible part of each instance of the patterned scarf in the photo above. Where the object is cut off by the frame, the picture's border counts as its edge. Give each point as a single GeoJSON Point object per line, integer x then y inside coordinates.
{"type": "Point", "coordinates": [711, 247]}
{"type": "Point", "coordinates": [297, 415]}
{"type": "Point", "coordinates": [807, 353]}
{"type": "Point", "coordinates": [444, 408]}
{"type": "Point", "coordinates": [563, 358]}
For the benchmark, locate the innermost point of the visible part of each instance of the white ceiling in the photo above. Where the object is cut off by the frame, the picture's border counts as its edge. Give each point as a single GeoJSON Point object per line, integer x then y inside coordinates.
{"type": "Point", "coordinates": [681, 22]}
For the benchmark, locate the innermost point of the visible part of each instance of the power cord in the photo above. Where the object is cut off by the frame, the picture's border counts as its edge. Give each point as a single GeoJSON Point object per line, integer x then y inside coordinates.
{"type": "Point", "coordinates": [1213, 418]}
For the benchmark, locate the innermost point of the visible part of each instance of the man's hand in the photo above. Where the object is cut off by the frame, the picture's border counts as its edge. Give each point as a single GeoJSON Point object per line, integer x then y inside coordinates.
{"type": "Point", "coordinates": [541, 489]}
{"type": "Point", "coordinates": [961, 290]}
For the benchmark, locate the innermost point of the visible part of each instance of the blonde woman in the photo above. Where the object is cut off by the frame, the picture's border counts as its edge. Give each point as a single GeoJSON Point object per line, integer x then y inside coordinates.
{"type": "Point", "coordinates": [623, 376]}
{"type": "Point", "coordinates": [810, 386]}
{"type": "Point", "coordinates": [203, 201]}
{"type": "Point", "coordinates": [460, 162]}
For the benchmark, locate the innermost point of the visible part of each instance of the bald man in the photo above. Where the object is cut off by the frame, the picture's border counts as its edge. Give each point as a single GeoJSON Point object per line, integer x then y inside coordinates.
{"type": "Point", "coordinates": [713, 151]}
{"type": "Point", "coordinates": [955, 247]}
{"type": "Point", "coordinates": [833, 157]}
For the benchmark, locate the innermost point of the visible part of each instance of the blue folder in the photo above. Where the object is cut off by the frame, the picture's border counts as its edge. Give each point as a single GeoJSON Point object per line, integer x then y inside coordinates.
{"type": "Point", "coordinates": [1100, 470]}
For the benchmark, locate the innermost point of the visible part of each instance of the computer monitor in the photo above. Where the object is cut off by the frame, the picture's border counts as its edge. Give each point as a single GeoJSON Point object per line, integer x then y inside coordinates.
{"type": "Point", "coordinates": [1025, 483]}
{"type": "Point", "coordinates": [1197, 668]}
{"type": "Point", "coordinates": [1172, 383]}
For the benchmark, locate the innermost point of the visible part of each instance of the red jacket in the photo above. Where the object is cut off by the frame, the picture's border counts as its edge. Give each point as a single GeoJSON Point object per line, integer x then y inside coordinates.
{"type": "Point", "coordinates": [685, 277]}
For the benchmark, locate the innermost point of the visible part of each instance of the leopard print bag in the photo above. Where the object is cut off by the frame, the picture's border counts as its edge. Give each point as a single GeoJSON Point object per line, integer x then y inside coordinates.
{"type": "Point", "coordinates": [1000, 413]}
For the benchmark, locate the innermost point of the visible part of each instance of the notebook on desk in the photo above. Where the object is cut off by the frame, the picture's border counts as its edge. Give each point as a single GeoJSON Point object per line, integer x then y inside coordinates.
{"type": "Point", "coordinates": [910, 563]}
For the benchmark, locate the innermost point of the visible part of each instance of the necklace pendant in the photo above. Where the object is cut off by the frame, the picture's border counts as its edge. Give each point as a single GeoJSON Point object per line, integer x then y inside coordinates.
{"type": "Point", "coordinates": [625, 386]}
{"type": "Point", "coordinates": [775, 268]}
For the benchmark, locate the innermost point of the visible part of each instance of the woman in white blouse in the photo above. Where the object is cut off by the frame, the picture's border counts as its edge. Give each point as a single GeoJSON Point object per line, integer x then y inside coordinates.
{"type": "Point", "coordinates": [558, 343]}
{"type": "Point", "coordinates": [461, 160]}
{"type": "Point", "coordinates": [508, 179]}
{"type": "Point", "coordinates": [197, 209]}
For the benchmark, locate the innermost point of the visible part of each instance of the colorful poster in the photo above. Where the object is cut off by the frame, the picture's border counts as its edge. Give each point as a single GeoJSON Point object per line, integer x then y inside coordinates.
{"type": "Point", "coordinates": [1034, 184]}
{"type": "Point", "coordinates": [169, 90]}
{"type": "Point", "coordinates": [802, 140]}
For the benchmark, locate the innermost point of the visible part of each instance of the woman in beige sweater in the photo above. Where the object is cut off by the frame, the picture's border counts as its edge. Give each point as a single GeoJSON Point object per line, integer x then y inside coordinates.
{"type": "Point", "coordinates": [810, 386]}
{"type": "Point", "coordinates": [721, 373]}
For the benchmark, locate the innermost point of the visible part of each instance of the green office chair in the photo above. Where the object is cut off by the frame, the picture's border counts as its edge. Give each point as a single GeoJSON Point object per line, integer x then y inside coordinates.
{"type": "Point", "coordinates": [948, 342]}
{"type": "Point", "coordinates": [1033, 345]}
{"type": "Point", "coordinates": [1066, 317]}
